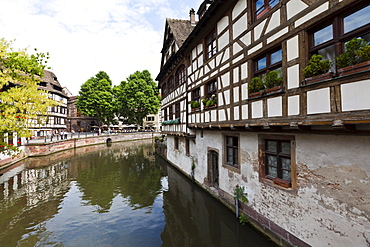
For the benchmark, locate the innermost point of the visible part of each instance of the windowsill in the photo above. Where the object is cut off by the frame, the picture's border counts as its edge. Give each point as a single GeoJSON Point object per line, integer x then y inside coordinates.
{"type": "Point", "coordinates": [269, 182]}
{"type": "Point", "coordinates": [231, 168]}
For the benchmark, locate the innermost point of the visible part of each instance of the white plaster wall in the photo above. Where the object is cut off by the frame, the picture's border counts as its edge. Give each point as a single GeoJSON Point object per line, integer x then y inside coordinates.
{"type": "Point", "coordinates": [275, 107]}
{"type": "Point", "coordinates": [236, 94]}
{"type": "Point", "coordinates": [226, 55]}
{"type": "Point", "coordinates": [236, 48]}
{"type": "Point", "coordinates": [292, 48]}
{"type": "Point", "coordinates": [223, 40]}
{"type": "Point", "coordinates": [293, 105]}
{"type": "Point", "coordinates": [244, 68]}
{"type": "Point", "coordinates": [238, 8]}
{"type": "Point", "coordinates": [222, 24]}
{"type": "Point", "coordinates": [277, 35]}
{"type": "Point", "coordinates": [246, 39]}
{"type": "Point", "coordinates": [255, 48]}
{"type": "Point", "coordinates": [236, 113]}
{"type": "Point", "coordinates": [240, 26]}
{"type": "Point", "coordinates": [313, 14]}
{"type": "Point", "coordinates": [258, 29]}
{"type": "Point", "coordinates": [294, 7]}
{"type": "Point", "coordinates": [318, 101]}
{"type": "Point", "coordinates": [225, 79]}
{"type": "Point", "coordinates": [274, 21]}
{"type": "Point", "coordinates": [257, 109]}
{"type": "Point", "coordinates": [227, 97]}
{"type": "Point", "coordinates": [236, 75]}
{"type": "Point", "coordinates": [356, 96]}
{"type": "Point", "coordinates": [244, 111]}
{"type": "Point", "coordinates": [293, 76]}
{"type": "Point", "coordinates": [222, 115]}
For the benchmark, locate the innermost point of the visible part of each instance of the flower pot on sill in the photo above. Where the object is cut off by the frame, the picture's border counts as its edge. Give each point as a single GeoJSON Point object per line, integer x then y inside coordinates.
{"type": "Point", "coordinates": [281, 182]}
{"type": "Point", "coordinates": [210, 106]}
{"type": "Point", "coordinates": [354, 68]}
{"type": "Point", "coordinates": [255, 95]}
{"type": "Point", "coordinates": [318, 78]}
{"type": "Point", "coordinates": [195, 109]}
{"type": "Point", "coordinates": [274, 90]}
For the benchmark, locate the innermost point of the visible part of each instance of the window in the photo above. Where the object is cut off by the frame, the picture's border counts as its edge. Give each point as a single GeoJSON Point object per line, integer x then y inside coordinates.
{"type": "Point", "coordinates": [165, 115]}
{"type": "Point", "coordinates": [261, 7]}
{"type": "Point", "coordinates": [171, 84]}
{"type": "Point", "coordinates": [180, 76]}
{"type": "Point", "coordinates": [177, 110]}
{"type": "Point", "coordinates": [277, 159]}
{"type": "Point", "coordinates": [10, 139]}
{"type": "Point", "coordinates": [164, 90]}
{"type": "Point", "coordinates": [195, 95]}
{"type": "Point", "coordinates": [176, 143]}
{"type": "Point", "coordinates": [211, 88]}
{"type": "Point", "coordinates": [211, 45]}
{"type": "Point", "coordinates": [149, 119]}
{"type": "Point", "coordinates": [187, 147]}
{"type": "Point", "coordinates": [232, 150]}
{"type": "Point", "coordinates": [329, 40]}
{"type": "Point", "coordinates": [271, 61]}
{"type": "Point", "coordinates": [170, 112]}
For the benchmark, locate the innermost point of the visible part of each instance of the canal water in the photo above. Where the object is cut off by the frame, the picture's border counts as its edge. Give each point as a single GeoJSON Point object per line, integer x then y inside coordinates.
{"type": "Point", "coordinates": [122, 195]}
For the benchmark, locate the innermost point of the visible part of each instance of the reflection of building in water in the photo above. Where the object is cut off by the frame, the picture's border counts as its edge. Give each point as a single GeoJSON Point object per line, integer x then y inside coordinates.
{"type": "Point", "coordinates": [35, 185]}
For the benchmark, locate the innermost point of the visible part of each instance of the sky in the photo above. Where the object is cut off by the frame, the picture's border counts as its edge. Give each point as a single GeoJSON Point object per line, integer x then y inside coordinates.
{"type": "Point", "coordinates": [84, 37]}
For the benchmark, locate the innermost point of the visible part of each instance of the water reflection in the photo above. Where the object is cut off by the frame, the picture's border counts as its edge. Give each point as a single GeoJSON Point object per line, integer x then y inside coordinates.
{"type": "Point", "coordinates": [111, 196]}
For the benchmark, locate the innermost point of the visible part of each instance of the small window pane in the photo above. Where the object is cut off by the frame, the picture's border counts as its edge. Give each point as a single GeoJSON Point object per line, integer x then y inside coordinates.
{"type": "Point", "coordinates": [235, 141]}
{"type": "Point", "coordinates": [287, 176]}
{"type": "Point", "coordinates": [271, 146]}
{"type": "Point", "coordinates": [272, 171]}
{"type": "Point", "coordinates": [285, 147]}
{"type": "Point", "coordinates": [259, 6]}
{"type": "Point", "coordinates": [285, 163]}
{"type": "Point", "coordinates": [271, 160]}
{"type": "Point", "coordinates": [229, 141]}
{"type": "Point", "coordinates": [323, 35]}
{"type": "Point", "coordinates": [261, 63]}
{"type": "Point", "coordinates": [273, 3]}
{"type": "Point", "coordinates": [357, 19]}
{"type": "Point", "coordinates": [276, 57]}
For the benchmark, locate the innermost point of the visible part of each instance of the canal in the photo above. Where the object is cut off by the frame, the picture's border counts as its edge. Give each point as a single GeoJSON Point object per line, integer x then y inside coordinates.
{"type": "Point", "coordinates": [122, 195]}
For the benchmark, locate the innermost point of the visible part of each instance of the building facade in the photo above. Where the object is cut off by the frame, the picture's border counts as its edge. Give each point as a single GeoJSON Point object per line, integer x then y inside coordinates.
{"type": "Point", "coordinates": [57, 115]}
{"type": "Point", "coordinates": [298, 147]}
{"type": "Point", "coordinates": [78, 122]}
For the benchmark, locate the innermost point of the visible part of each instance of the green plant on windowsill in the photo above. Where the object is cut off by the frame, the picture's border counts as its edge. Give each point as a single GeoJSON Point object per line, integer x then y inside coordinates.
{"type": "Point", "coordinates": [212, 101]}
{"type": "Point", "coordinates": [273, 79]}
{"type": "Point", "coordinates": [256, 85]}
{"type": "Point", "coordinates": [316, 66]}
{"type": "Point", "coordinates": [355, 51]}
{"type": "Point", "coordinates": [194, 104]}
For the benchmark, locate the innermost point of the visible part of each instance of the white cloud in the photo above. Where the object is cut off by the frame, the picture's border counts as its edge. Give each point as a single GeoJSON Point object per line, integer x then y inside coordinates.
{"type": "Point", "coordinates": [87, 36]}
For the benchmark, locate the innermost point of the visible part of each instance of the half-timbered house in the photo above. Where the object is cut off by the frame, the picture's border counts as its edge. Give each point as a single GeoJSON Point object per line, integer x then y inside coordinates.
{"type": "Point", "coordinates": [238, 110]}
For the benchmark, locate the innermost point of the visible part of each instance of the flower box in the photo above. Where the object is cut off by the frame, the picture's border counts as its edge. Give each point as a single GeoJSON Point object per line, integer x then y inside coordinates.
{"type": "Point", "coordinates": [282, 182]}
{"type": "Point", "coordinates": [354, 68]}
{"type": "Point", "coordinates": [195, 109]}
{"type": "Point", "coordinates": [318, 78]}
{"type": "Point", "coordinates": [276, 89]}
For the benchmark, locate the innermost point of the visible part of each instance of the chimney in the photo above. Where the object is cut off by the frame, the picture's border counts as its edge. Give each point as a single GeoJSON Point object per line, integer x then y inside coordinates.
{"type": "Point", "coordinates": [192, 17]}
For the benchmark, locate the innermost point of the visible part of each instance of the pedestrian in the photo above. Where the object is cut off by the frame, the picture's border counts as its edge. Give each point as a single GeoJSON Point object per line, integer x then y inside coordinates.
{"type": "Point", "coordinates": [61, 135]}
{"type": "Point", "coordinates": [65, 135]}
{"type": "Point", "coordinates": [72, 131]}
{"type": "Point", "coordinates": [52, 136]}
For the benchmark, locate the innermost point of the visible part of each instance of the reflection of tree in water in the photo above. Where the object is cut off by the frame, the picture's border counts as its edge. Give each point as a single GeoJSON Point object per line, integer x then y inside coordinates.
{"type": "Point", "coordinates": [126, 171]}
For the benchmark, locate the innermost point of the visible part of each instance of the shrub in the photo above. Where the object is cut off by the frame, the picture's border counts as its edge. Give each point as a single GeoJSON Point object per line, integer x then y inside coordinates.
{"type": "Point", "coordinates": [316, 66]}
{"type": "Point", "coordinates": [273, 79]}
{"type": "Point", "coordinates": [354, 53]}
{"type": "Point", "coordinates": [256, 85]}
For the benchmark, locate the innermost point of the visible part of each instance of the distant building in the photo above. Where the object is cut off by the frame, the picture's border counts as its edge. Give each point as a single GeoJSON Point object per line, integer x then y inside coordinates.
{"type": "Point", "coordinates": [78, 122]}
{"type": "Point", "coordinates": [57, 115]}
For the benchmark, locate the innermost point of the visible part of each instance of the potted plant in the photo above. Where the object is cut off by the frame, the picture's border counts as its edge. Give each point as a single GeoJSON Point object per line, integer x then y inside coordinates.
{"type": "Point", "coordinates": [356, 57]}
{"type": "Point", "coordinates": [317, 69]}
{"type": "Point", "coordinates": [195, 105]}
{"type": "Point", "coordinates": [256, 87]}
{"type": "Point", "coordinates": [212, 101]}
{"type": "Point", "coordinates": [273, 82]}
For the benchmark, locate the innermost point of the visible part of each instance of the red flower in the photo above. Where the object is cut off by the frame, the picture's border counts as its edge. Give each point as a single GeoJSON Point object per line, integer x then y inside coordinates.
{"type": "Point", "coordinates": [11, 144]}
{"type": "Point", "coordinates": [16, 116]}
{"type": "Point", "coordinates": [19, 142]}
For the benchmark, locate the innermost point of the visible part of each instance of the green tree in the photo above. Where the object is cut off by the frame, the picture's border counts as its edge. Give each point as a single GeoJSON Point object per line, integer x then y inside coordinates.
{"type": "Point", "coordinates": [96, 98]}
{"type": "Point", "coordinates": [137, 97]}
{"type": "Point", "coordinates": [22, 103]}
